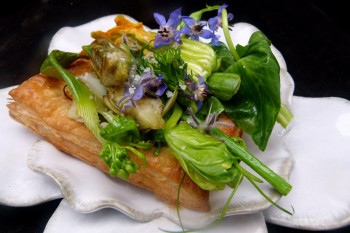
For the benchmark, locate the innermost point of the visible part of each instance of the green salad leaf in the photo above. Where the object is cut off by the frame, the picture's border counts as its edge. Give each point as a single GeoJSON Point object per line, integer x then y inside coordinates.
{"type": "Point", "coordinates": [257, 103]}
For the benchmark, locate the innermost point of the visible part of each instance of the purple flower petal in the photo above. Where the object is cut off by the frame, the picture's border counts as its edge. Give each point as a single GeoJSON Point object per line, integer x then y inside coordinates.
{"type": "Point", "coordinates": [215, 40]}
{"type": "Point", "coordinates": [139, 92]}
{"type": "Point", "coordinates": [189, 21]}
{"type": "Point", "coordinates": [177, 37]}
{"type": "Point", "coordinates": [186, 30]}
{"type": "Point", "coordinates": [159, 41]}
{"type": "Point", "coordinates": [230, 16]}
{"type": "Point", "coordinates": [216, 22]}
{"type": "Point", "coordinates": [174, 18]}
{"type": "Point", "coordinates": [161, 90]}
{"type": "Point", "coordinates": [194, 37]}
{"type": "Point", "coordinates": [220, 9]}
{"type": "Point", "coordinates": [206, 34]}
{"type": "Point", "coordinates": [213, 23]}
{"type": "Point", "coordinates": [160, 19]}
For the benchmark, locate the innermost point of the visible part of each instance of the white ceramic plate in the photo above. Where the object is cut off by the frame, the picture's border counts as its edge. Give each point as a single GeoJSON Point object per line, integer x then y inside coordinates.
{"type": "Point", "coordinates": [20, 186]}
{"type": "Point", "coordinates": [319, 140]}
{"type": "Point", "coordinates": [110, 221]}
{"type": "Point", "coordinates": [319, 144]}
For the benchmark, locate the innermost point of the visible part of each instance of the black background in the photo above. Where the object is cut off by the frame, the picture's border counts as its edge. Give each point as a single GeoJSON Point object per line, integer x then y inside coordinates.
{"type": "Point", "coordinates": [313, 36]}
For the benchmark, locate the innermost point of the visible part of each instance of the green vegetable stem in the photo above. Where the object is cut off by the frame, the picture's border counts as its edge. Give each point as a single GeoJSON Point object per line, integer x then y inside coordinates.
{"type": "Point", "coordinates": [212, 161]}
{"type": "Point", "coordinates": [282, 186]}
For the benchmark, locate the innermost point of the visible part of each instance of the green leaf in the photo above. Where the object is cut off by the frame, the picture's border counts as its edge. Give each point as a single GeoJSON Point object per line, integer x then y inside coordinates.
{"type": "Point", "coordinates": [223, 54]}
{"type": "Point", "coordinates": [121, 130]}
{"type": "Point", "coordinates": [239, 150]}
{"type": "Point", "coordinates": [256, 105]}
{"type": "Point", "coordinates": [205, 159]}
{"type": "Point", "coordinates": [170, 65]}
{"type": "Point", "coordinates": [85, 100]}
{"type": "Point", "coordinates": [64, 59]}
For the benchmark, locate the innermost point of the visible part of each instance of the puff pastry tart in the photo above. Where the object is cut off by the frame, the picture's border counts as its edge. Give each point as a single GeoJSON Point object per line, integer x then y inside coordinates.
{"type": "Point", "coordinates": [40, 104]}
{"type": "Point", "coordinates": [131, 93]}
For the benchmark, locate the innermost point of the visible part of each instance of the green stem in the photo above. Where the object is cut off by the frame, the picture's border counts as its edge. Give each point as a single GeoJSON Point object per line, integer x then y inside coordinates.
{"type": "Point", "coordinates": [174, 118]}
{"type": "Point", "coordinates": [284, 116]}
{"type": "Point", "coordinates": [228, 36]}
{"type": "Point", "coordinates": [86, 107]}
{"type": "Point", "coordinates": [282, 186]}
{"type": "Point", "coordinates": [197, 15]}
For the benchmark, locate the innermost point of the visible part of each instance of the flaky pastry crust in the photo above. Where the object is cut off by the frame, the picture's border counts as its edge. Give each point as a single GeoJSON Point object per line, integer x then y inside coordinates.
{"type": "Point", "coordinates": [40, 104]}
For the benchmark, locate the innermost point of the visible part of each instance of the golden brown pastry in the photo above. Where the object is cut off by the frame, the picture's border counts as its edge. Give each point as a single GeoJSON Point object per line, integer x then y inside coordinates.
{"type": "Point", "coordinates": [40, 104]}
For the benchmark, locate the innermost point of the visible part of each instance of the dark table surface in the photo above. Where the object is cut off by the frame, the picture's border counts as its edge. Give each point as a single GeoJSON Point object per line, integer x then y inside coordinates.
{"type": "Point", "coordinates": [313, 36]}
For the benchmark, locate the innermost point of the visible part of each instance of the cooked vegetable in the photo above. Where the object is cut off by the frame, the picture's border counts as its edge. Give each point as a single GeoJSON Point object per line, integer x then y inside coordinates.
{"type": "Point", "coordinates": [111, 63]}
{"type": "Point", "coordinates": [212, 161]}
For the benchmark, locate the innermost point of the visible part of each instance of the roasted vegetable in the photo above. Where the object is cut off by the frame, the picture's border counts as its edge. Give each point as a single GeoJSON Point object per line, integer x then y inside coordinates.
{"type": "Point", "coordinates": [111, 63]}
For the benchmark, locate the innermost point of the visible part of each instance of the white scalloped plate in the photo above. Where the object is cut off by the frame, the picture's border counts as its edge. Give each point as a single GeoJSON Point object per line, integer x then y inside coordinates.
{"type": "Point", "coordinates": [110, 221]}
{"type": "Point", "coordinates": [20, 186]}
{"type": "Point", "coordinates": [318, 138]}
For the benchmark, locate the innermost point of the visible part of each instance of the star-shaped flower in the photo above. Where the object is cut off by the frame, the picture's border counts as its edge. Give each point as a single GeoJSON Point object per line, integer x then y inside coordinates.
{"type": "Point", "coordinates": [195, 29]}
{"type": "Point", "coordinates": [167, 32]}
{"type": "Point", "coordinates": [198, 90]}
{"type": "Point", "coordinates": [139, 86]}
{"type": "Point", "coordinates": [216, 22]}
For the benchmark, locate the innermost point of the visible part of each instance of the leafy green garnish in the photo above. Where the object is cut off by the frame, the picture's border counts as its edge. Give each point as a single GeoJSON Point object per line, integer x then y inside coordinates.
{"type": "Point", "coordinates": [86, 107]}
{"type": "Point", "coordinates": [257, 102]}
{"type": "Point", "coordinates": [120, 134]}
{"type": "Point", "coordinates": [64, 59]}
{"type": "Point", "coordinates": [121, 130]}
{"type": "Point", "coordinates": [239, 151]}
{"type": "Point", "coordinates": [224, 57]}
{"type": "Point", "coordinates": [200, 57]}
{"type": "Point", "coordinates": [210, 172]}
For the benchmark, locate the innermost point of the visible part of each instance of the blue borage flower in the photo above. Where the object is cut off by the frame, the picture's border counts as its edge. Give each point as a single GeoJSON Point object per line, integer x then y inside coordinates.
{"type": "Point", "coordinates": [216, 22]}
{"type": "Point", "coordinates": [170, 32]}
{"type": "Point", "coordinates": [203, 126]}
{"type": "Point", "coordinates": [195, 29]}
{"type": "Point", "coordinates": [139, 86]}
{"type": "Point", "coordinates": [167, 32]}
{"type": "Point", "coordinates": [198, 90]}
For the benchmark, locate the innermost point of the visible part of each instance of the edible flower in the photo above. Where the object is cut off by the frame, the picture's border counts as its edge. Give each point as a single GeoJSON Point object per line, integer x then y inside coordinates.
{"type": "Point", "coordinates": [167, 32]}
{"type": "Point", "coordinates": [202, 126]}
{"type": "Point", "coordinates": [216, 22]}
{"type": "Point", "coordinates": [199, 90]}
{"type": "Point", "coordinates": [195, 29]}
{"type": "Point", "coordinates": [138, 86]}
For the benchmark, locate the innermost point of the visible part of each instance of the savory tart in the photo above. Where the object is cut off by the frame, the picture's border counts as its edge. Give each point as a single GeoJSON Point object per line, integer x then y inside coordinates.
{"type": "Point", "coordinates": [163, 110]}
